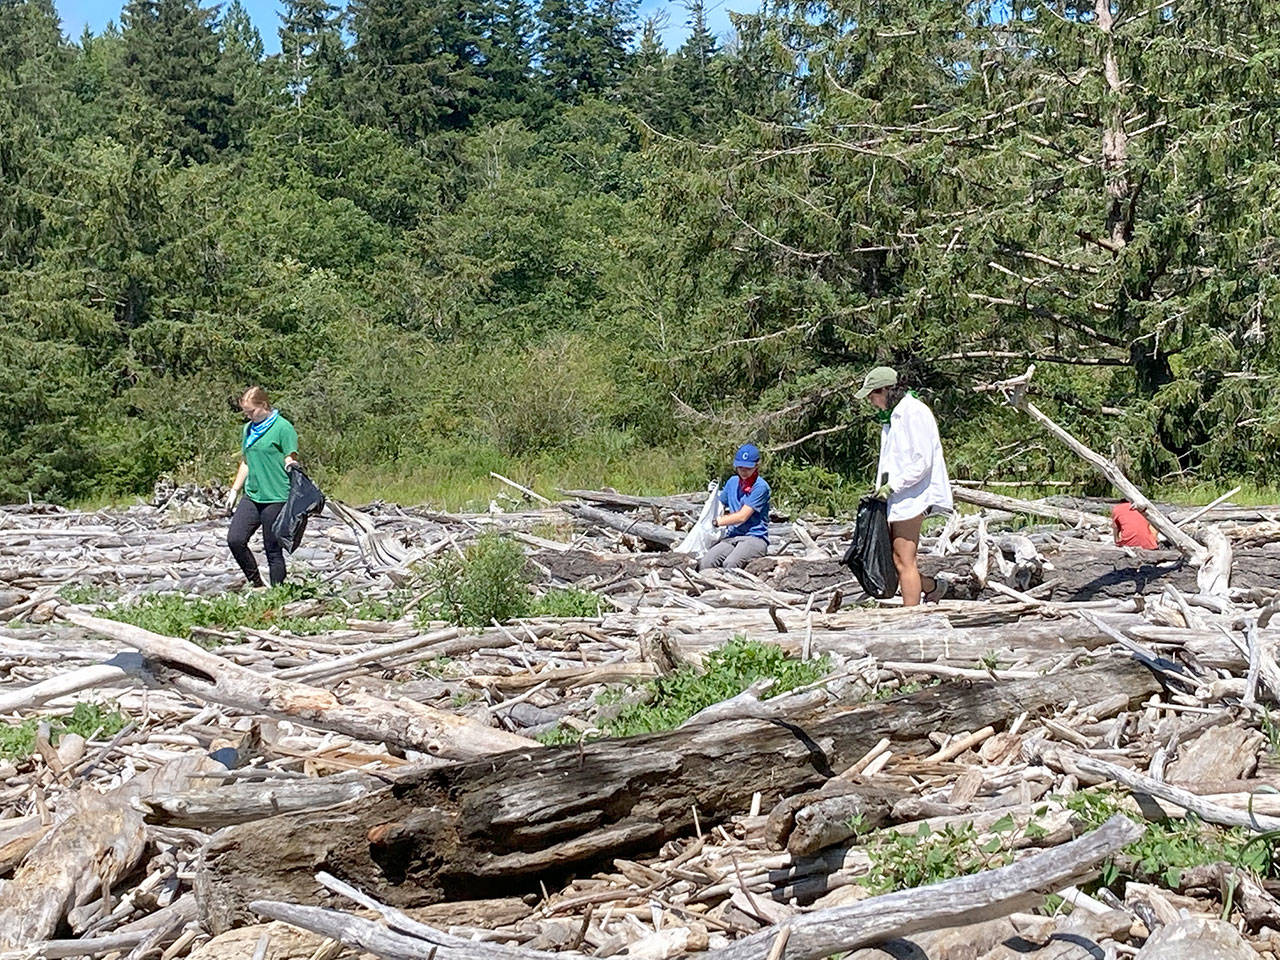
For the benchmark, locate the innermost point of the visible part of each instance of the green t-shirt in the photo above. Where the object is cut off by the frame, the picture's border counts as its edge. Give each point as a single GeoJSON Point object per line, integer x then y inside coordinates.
{"type": "Point", "coordinates": [268, 481]}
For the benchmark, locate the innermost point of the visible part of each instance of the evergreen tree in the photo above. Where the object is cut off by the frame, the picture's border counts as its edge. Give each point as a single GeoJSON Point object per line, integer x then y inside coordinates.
{"type": "Point", "coordinates": [416, 65]}
{"type": "Point", "coordinates": [582, 46]}
{"type": "Point", "coordinates": [312, 53]}
{"type": "Point", "coordinates": [242, 63]}
{"type": "Point", "coordinates": [646, 88]}
{"type": "Point", "coordinates": [507, 63]}
{"type": "Point", "coordinates": [33, 73]}
{"type": "Point", "coordinates": [173, 60]}
{"type": "Point", "coordinates": [694, 103]}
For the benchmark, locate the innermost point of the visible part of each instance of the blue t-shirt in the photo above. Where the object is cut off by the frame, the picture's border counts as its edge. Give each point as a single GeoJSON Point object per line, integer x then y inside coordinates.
{"type": "Point", "coordinates": [758, 498]}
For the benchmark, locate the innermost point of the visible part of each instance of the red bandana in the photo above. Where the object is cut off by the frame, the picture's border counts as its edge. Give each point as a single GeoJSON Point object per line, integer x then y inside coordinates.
{"type": "Point", "coordinates": [744, 486]}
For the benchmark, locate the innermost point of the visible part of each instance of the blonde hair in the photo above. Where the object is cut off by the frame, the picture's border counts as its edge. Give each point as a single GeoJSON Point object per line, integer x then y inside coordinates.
{"type": "Point", "coordinates": [255, 396]}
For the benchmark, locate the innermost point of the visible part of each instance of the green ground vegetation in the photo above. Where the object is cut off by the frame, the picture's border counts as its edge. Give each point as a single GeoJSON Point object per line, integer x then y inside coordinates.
{"type": "Point", "coordinates": [669, 701]}
{"type": "Point", "coordinates": [18, 740]}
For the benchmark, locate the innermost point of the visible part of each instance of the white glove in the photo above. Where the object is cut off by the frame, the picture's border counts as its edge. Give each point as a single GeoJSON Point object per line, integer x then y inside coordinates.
{"type": "Point", "coordinates": [232, 497]}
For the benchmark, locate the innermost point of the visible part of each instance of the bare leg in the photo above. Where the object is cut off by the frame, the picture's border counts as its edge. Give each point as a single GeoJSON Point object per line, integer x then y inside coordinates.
{"type": "Point", "coordinates": [906, 539]}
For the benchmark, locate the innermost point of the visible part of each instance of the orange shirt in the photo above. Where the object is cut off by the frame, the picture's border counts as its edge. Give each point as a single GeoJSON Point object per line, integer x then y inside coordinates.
{"type": "Point", "coordinates": [1131, 528]}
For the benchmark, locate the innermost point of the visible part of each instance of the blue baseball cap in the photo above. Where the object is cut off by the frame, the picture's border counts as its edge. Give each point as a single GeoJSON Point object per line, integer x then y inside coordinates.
{"type": "Point", "coordinates": [748, 455]}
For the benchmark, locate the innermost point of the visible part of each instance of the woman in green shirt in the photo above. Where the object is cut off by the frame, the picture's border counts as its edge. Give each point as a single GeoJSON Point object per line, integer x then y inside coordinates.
{"type": "Point", "coordinates": [268, 450]}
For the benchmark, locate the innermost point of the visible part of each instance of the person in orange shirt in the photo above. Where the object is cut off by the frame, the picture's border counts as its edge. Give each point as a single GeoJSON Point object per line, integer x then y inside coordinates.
{"type": "Point", "coordinates": [1131, 529]}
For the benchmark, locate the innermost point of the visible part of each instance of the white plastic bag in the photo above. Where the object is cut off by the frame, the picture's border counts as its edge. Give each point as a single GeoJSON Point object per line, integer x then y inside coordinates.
{"type": "Point", "coordinates": [704, 534]}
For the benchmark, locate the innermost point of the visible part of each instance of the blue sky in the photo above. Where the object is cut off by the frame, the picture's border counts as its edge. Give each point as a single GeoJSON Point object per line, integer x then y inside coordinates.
{"type": "Point", "coordinates": [76, 14]}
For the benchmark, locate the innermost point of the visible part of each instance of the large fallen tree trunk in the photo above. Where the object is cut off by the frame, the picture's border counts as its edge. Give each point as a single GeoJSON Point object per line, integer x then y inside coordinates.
{"type": "Point", "coordinates": [403, 723]}
{"type": "Point", "coordinates": [472, 829]}
{"type": "Point", "coordinates": [968, 899]}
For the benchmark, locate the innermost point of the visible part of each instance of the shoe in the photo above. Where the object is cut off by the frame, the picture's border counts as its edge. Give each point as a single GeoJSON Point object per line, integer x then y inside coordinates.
{"type": "Point", "coordinates": [939, 592]}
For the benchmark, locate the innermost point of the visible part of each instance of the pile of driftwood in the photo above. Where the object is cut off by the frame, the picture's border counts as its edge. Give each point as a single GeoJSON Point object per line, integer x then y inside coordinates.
{"type": "Point", "coordinates": [377, 787]}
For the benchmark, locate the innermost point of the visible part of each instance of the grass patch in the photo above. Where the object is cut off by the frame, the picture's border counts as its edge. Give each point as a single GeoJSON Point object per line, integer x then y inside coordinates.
{"type": "Point", "coordinates": [1170, 846]}
{"type": "Point", "coordinates": [1198, 493]}
{"type": "Point", "coordinates": [18, 740]}
{"type": "Point", "coordinates": [566, 602]}
{"type": "Point", "coordinates": [674, 699]}
{"type": "Point", "coordinates": [457, 477]}
{"type": "Point", "coordinates": [176, 615]}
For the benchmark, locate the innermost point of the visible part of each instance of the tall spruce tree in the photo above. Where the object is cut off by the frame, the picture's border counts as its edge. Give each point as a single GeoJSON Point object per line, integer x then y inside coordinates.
{"type": "Point", "coordinates": [312, 52]}
{"type": "Point", "coordinates": [34, 64]}
{"type": "Point", "coordinates": [416, 65]}
{"type": "Point", "coordinates": [583, 46]}
{"type": "Point", "coordinates": [695, 105]}
{"type": "Point", "coordinates": [507, 49]}
{"type": "Point", "coordinates": [242, 63]}
{"type": "Point", "coordinates": [646, 89]}
{"type": "Point", "coordinates": [173, 61]}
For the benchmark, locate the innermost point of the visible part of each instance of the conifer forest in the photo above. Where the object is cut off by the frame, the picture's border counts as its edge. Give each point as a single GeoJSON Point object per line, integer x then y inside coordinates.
{"type": "Point", "coordinates": [511, 234]}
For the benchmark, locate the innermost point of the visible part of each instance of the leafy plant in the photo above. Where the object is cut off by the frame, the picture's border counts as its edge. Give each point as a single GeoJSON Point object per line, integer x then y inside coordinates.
{"type": "Point", "coordinates": [566, 602]}
{"type": "Point", "coordinates": [726, 672]}
{"type": "Point", "coordinates": [902, 861]}
{"type": "Point", "coordinates": [488, 582]}
{"type": "Point", "coordinates": [87, 594]}
{"type": "Point", "coordinates": [18, 740]}
{"type": "Point", "coordinates": [1167, 847]}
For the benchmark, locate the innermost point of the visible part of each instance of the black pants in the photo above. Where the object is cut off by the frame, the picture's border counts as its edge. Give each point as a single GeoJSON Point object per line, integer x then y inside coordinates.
{"type": "Point", "coordinates": [249, 516]}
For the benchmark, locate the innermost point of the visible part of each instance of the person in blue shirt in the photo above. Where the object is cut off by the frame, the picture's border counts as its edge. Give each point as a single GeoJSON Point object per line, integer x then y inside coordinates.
{"type": "Point", "coordinates": [745, 498]}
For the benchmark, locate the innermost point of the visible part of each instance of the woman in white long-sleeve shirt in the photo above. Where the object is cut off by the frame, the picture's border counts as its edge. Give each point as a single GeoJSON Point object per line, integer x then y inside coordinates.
{"type": "Point", "coordinates": [912, 476]}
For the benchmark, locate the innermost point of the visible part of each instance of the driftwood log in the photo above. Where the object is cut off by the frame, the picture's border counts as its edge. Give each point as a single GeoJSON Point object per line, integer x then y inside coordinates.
{"type": "Point", "coordinates": [980, 896]}
{"type": "Point", "coordinates": [400, 723]}
{"type": "Point", "coordinates": [652, 533]}
{"type": "Point", "coordinates": [489, 827]}
{"type": "Point", "coordinates": [84, 854]}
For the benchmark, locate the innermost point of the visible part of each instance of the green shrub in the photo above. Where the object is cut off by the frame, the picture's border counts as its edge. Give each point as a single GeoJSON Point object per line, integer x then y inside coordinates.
{"type": "Point", "coordinates": [488, 582]}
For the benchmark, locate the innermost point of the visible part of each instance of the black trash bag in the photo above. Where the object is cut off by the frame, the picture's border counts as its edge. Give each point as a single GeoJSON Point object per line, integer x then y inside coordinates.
{"type": "Point", "coordinates": [870, 554]}
{"type": "Point", "coordinates": [305, 500]}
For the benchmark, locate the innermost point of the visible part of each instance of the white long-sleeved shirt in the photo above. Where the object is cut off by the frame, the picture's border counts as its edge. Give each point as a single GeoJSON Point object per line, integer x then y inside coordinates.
{"type": "Point", "coordinates": [911, 456]}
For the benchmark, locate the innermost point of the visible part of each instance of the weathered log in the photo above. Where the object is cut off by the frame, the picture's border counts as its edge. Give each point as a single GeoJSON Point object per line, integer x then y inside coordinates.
{"type": "Point", "coordinates": [1206, 810]}
{"type": "Point", "coordinates": [1037, 508]}
{"type": "Point", "coordinates": [402, 723]}
{"type": "Point", "coordinates": [119, 671]}
{"type": "Point", "coordinates": [476, 829]}
{"type": "Point", "coordinates": [17, 837]}
{"type": "Point", "coordinates": [980, 896]}
{"type": "Point", "coordinates": [682, 502]}
{"type": "Point", "coordinates": [651, 533]}
{"type": "Point", "coordinates": [210, 808]}
{"type": "Point", "coordinates": [87, 852]}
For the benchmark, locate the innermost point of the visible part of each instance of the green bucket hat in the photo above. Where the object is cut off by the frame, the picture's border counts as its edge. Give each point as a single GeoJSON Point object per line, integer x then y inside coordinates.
{"type": "Point", "coordinates": [876, 378]}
